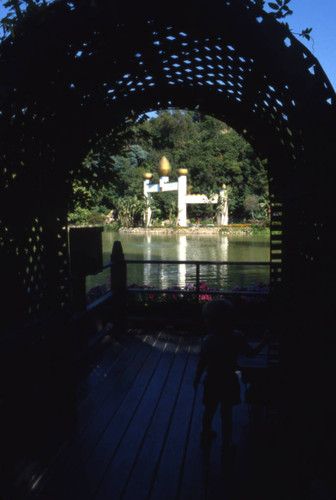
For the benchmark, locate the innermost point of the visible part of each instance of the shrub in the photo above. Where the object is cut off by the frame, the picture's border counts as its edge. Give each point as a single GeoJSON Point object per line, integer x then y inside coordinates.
{"type": "Point", "coordinates": [95, 218]}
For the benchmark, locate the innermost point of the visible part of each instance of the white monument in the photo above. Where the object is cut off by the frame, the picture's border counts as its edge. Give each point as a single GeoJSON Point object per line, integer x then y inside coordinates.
{"type": "Point", "coordinates": [183, 199]}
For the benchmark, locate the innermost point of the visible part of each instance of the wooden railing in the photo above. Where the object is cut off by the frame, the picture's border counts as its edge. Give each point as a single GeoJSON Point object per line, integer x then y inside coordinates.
{"type": "Point", "coordinates": [119, 264]}
{"type": "Point", "coordinates": [197, 264]}
{"type": "Point", "coordinates": [115, 299]}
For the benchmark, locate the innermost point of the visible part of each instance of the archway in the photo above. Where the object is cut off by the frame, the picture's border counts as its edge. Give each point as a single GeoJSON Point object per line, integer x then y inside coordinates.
{"type": "Point", "coordinates": [99, 65]}
{"type": "Point", "coordinates": [58, 98]}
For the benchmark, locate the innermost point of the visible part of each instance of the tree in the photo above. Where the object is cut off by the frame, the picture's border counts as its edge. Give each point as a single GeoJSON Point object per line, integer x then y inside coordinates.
{"type": "Point", "coordinates": [137, 155]}
{"type": "Point", "coordinates": [251, 203]}
{"type": "Point", "coordinates": [213, 153]}
{"type": "Point", "coordinates": [130, 210]}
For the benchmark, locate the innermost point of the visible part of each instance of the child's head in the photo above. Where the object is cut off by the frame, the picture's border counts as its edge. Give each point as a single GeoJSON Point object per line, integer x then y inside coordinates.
{"type": "Point", "coordinates": [218, 315]}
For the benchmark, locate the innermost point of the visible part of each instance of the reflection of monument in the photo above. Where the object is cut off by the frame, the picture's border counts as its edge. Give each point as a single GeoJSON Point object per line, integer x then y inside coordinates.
{"type": "Point", "coordinates": [182, 197]}
{"type": "Point", "coordinates": [147, 268]}
{"type": "Point", "coordinates": [182, 256]}
{"type": "Point", "coordinates": [223, 271]}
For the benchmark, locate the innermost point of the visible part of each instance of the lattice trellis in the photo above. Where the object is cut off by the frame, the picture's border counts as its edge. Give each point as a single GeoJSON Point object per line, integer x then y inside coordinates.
{"type": "Point", "coordinates": [73, 74]}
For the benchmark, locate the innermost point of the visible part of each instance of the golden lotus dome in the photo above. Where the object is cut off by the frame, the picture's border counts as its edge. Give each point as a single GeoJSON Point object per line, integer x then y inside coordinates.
{"type": "Point", "coordinates": [182, 171]}
{"type": "Point", "coordinates": [164, 167]}
{"type": "Point", "coordinates": [147, 176]}
{"type": "Point", "coordinates": [224, 186]}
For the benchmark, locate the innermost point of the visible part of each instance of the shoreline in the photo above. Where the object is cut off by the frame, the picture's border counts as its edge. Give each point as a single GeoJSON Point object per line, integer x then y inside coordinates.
{"type": "Point", "coordinates": [229, 230]}
{"type": "Point", "coordinates": [186, 230]}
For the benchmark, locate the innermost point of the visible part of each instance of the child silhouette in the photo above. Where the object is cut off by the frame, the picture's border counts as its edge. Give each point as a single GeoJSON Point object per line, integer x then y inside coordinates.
{"type": "Point", "coordinates": [218, 358]}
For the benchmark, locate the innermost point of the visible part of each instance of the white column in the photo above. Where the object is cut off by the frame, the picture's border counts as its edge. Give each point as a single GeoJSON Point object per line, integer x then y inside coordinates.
{"type": "Point", "coordinates": [225, 209]}
{"type": "Point", "coordinates": [220, 218]}
{"type": "Point", "coordinates": [181, 202]}
{"type": "Point", "coordinates": [223, 214]}
{"type": "Point", "coordinates": [148, 211]}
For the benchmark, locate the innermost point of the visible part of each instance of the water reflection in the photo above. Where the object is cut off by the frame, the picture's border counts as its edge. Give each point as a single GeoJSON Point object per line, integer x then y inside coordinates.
{"type": "Point", "coordinates": [217, 247]}
{"type": "Point", "coordinates": [147, 256]}
{"type": "Point", "coordinates": [182, 255]}
{"type": "Point", "coordinates": [222, 271]}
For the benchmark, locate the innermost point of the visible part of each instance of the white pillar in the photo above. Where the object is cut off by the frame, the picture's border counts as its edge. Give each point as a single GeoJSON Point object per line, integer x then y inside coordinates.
{"type": "Point", "coordinates": [181, 203]}
{"type": "Point", "coordinates": [148, 211]}
{"type": "Point", "coordinates": [223, 213]}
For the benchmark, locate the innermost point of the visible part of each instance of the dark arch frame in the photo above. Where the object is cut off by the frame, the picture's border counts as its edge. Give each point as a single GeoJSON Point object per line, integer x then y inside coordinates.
{"type": "Point", "coordinates": [73, 74]}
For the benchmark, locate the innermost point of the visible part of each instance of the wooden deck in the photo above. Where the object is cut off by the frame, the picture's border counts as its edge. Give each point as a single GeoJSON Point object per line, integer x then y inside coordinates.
{"type": "Point", "coordinates": [138, 437]}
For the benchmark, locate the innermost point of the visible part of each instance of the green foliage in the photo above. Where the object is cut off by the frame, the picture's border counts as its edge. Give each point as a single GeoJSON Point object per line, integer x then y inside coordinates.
{"type": "Point", "coordinates": [212, 152]}
{"type": "Point", "coordinates": [251, 204]}
{"type": "Point", "coordinates": [78, 216]}
{"type": "Point", "coordinates": [262, 227]}
{"type": "Point", "coordinates": [95, 218]}
{"type": "Point", "coordinates": [130, 210]}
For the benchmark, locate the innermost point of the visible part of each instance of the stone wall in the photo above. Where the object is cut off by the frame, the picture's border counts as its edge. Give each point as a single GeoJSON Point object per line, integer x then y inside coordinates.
{"type": "Point", "coordinates": [187, 230]}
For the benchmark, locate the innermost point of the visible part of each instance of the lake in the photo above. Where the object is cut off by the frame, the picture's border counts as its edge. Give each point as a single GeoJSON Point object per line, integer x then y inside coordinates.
{"type": "Point", "coordinates": [193, 247]}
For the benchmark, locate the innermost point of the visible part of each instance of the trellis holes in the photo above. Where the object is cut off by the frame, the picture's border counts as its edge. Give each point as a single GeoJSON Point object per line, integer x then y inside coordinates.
{"type": "Point", "coordinates": [230, 60]}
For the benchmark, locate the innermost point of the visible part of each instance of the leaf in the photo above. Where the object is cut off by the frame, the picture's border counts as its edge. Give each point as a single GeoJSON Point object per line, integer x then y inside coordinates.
{"type": "Point", "coordinates": [273, 6]}
{"type": "Point", "coordinates": [288, 11]}
{"type": "Point", "coordinates": [306, 33]}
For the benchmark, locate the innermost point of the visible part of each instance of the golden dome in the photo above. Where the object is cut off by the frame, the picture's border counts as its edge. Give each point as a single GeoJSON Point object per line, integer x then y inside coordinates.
{"type": "Point", "coordinates": [224, 186]}
{"type": "Point", "coordinates": [147, 175]}
{"type": "Point", "coordinates": [164, 167]}
{"type": "Point", "coordinates": [182, 171]}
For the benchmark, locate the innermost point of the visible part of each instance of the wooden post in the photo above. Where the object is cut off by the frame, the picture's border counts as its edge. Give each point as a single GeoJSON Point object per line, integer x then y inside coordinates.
{"type": "Point", "coordinates": [86, 257]}
{"type": "Point", "coordinates": [119, 285]}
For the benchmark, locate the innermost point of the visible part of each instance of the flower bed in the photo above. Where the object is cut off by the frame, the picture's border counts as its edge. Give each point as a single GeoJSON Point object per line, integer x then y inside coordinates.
{"type": "Point", "coordinates": [174, 301]}
{"type": "Point", "coordinates": [97, 292]}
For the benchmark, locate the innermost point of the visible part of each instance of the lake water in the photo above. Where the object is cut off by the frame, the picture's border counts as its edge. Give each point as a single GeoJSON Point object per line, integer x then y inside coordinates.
{"type": "Point", "coordinates": [193, 247]}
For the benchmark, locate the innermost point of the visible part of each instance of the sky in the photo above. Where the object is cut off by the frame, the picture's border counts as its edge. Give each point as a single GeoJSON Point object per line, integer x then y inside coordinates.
{"type": "Point", "coordinates": [321, 16]}
{"type": "Point", "coordinates": [317, 14]}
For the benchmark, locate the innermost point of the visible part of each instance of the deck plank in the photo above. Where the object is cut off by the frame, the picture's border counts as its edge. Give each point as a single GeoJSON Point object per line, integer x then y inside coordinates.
{"type": "Point", "coordinates": [141, 477]}
{"type": "Point", "coordinates": [240, 475]}
{"type": "Point", "coordinates": [139, 431]}
{"type": "Point", "coordinates": [166, 483]}
{"type": "Point", "coordinates": [194, 477]}
{"type": "Point", "coordinates": [91, 374]}
{"type": "Point", "coordinates": [101, 392]}
{"type": "Point", "coordinates": [105, 402]}
{"type": "Point", "coordinates": [99, 461]}
{"type": "Point", "coordinates": [117, 475]}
